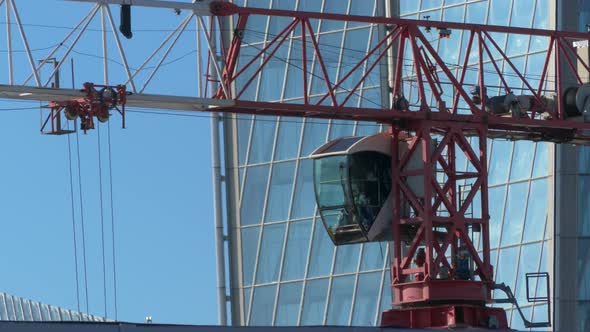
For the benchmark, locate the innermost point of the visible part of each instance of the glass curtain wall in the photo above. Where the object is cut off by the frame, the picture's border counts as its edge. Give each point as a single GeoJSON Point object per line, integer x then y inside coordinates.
{"type": "Point", "coordinates": [290, 272]}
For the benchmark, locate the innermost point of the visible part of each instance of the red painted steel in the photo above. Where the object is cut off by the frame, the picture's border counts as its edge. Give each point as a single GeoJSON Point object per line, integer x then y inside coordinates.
{"type": "Point", "coordinates": [96, 104]}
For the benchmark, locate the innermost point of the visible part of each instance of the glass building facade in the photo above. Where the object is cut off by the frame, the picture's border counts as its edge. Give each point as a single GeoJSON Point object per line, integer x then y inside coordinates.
{"type": "Point", "coordinates": [284, 270]}
{"type": "Point", "coordinates": [14, 308]}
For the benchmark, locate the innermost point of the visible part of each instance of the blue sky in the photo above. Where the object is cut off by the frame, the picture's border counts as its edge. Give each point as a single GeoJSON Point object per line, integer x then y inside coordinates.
{"type": "Point", "coordinates": [165, 259]}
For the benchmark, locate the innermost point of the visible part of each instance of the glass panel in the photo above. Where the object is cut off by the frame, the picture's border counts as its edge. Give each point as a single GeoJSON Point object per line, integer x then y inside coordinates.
{"type": "Point", "coordinates": [498, 12]}
{"type": "Point", "coordinates": [505, 271]}
{"type": "Point", "coordinates": [314, 135]}
{"type": "Point", "coordinates": [583, 310]}
{"type": "Point", "coordinates": [321, 252]}
{"type": "Point", "coordinates": [262, 138]}
{"type": "Point", "coordinates": [76, 316]}
{"type": "Point", "coordinates": [476, 12]}
{"type": "Point", "coordinates": [35, 309]}
{"type": "Point", "coordinates": [529, 262]}
{"type": "Point", "coordinates": [244, 124]}
{"type": "Point", "coordinates": [406, 7]}
{"type": "Point", "coordinates": [541, 160]}
{"type": "Point", "coordinates": [583, 267]}
{"type": "Point", "coordinates": [386, 296]}
{"type": "Point", "coordinates": [254, 194]}
{"type": "Point", "coordinates": [289, 304]}
{"type": "Point", "coordinates": [10, 307]}
{"type": "Point", "coordinates": [341, 128]}
{"type": "Point", "coordinates": [304, 198]}
{"type": "Point", "coordinates": [330, 180]}
{"type": "Point", "coordinates": [541, 20]}
{"type": "Point", "coordinates": [297, 249]}
{"type": "Point", "coordinates": [27, 310]}
{"type": "Point", "coordinates": [373, 256]}
{"type": "Point", "coordinates": [347, 258]}
{"type": "Point", "coordinates": [537, 210]}
{"type": "Point", "coordinates": [340, 300]}
{"type": "Point", "coordinates": [500, 161]}
{"type": "Point", "coordinates": [45, 312]}
{"type": "Point", "coordinates": [247, 295]}
{"type": "Point", "coordinates": [18, 310]}
{"type": "Point", "coordinates": [517, 322]}
{"type": "Point", "coordinates": [583, 203]}
{"type": "Point", "coordinates": [246, 55]}
{"type": "Point", "coordinates": [263, 305]}
{"type": "Point", "coordinates": [269, 259]}
{"type": "Point", "coordinates": [367, 295]}
{"type": "Point", "coordinates": [288, 140]}
{"type": "Point", "coordinates": [496, 198]}
{"type": "Point", "coordinates": [514, 214]}
{"type": "Point", "coordinates": [279, 196]}
{"type": "Point", "coordinates": [3, 309]}
{"type": "Point", "coordinates": [522, 160]}
{"type": "Point", "coordinates": [54, 313]}
{"type": "Point", "coordinates": [429, 4]}
{"type": "Point", "coordinates": [65, 315]}
{"type": "Point", "coordinates": [249, 241]}
{"type": "Point", "coordinates": [314, 302]}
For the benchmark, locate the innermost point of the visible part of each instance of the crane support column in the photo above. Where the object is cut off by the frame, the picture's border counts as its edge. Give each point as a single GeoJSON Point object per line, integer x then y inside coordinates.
{"type": "Point", "coordinates": [439, 278]}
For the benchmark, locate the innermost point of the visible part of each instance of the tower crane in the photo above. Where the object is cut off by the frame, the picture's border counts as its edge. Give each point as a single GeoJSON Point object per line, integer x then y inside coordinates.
{"type": "Point", "coordinates": [404, 185]}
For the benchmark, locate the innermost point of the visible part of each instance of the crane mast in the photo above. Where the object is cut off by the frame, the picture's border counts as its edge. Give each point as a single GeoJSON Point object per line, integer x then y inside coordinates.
{"type": "Point", "coordinates": [441, 273]}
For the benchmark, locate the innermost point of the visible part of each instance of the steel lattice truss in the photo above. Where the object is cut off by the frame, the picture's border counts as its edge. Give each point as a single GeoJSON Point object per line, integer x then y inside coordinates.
{"type": "Point", "coordinates": [447, 112]}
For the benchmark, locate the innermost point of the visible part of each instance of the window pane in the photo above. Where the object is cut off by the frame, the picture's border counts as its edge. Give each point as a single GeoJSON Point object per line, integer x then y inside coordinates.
{"type": "Point", "coordinates": [247, 296]}
{"type": "Point", "coordinates": [522, 160]}
{"type": "Point", "coordinates": [583, 267]}
{"type": "Point", "coordinates": [347, 258]}
{"type": "Point", "coordinates": [297, 249]}
{"type": "Point", "coordinates": [583, 203]}
{"type": "Point", "coordinates": [529, 262]}
{"type": "Point", "coordinates": [340, 300]}
{"type": "Point", "coordinates": [341, 128]}
{"type": "Point", "coordinates": [537, 210]}
{"type": "Point", "coordinates": [18, 310]}
{"type": "Point", "coordinates": [321, 252]}
{"type": "Point", "coordinates": [263, 305]}
{"type": "Point", "coordinates": [288, 140]}
{"type": "Point", "coordinates": [367, 295]}
{"type": "Point", "coordinates": [314, 302]}
{"type": "Point", "coordinates": [496, 198]}
{"type": "Point", "coordinates": [10, 307]}
{"type": "Point", "coordinates": [541, 160]}
{"type": "Point", "coordinates": [505, 271]}
{"type": "Point", "coordinates": [254, 193]}
{"type": "Point", "coordinates": [249, 246]}
{"type": "Point", "coordinates": [244, 124]}
{"type": "Point", "coordinates": [304, 197]}
{"type": "Point", "coordinates": [289, 304]}
{"type": "Point", "coordinates": [373, 255]}
{"type": "Point", "coordinates": [386, 296]}
{"type": "Point", "coordinates": [35, 309]}
{"type": "Point", "coordinates": [514, 214]}
{"type": "Point", "coordinates": [269, 259]}
{"type": "Point", "coordinates": [501, 153]}
{"type": "Point", "coordinates": [314, 135]}
{"type": "Point", "coordinates": [262, 139]}
{"type": "Point", "coordinates": [3, 309]}
{"type": "Point", "coordinates": [279, 196]}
